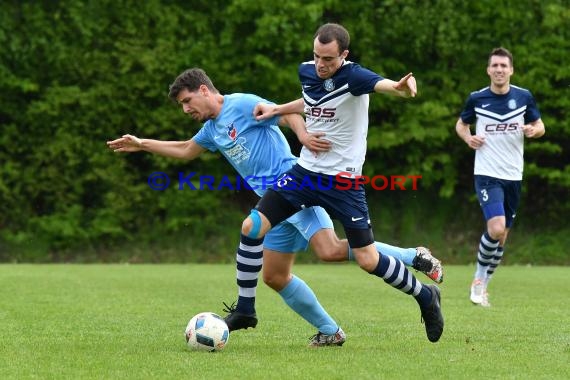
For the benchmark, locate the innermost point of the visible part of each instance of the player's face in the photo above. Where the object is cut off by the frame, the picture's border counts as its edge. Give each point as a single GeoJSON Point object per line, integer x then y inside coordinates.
{"type": "Point", "coordinates": [196, 103]}
{"type": "Point", "coordinates": [327, 57]}
{"type": "Point", "coordinates": [499, 70]}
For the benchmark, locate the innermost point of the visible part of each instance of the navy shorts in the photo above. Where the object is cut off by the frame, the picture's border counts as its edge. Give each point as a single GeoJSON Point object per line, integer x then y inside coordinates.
{"type": "Point", "coordinates": [303, 188]}
{"type": "Point", "coordinates": [498, 197]}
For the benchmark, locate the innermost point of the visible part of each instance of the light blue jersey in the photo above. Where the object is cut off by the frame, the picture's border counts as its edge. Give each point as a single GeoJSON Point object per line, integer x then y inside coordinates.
{"type": "Point", "coordinates": [259, 152]}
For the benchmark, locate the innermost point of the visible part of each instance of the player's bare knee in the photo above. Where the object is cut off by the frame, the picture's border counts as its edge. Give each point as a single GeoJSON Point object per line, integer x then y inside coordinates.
{"type": "Point", "coordinates": [270, 281]}
{"type": "Point", "coordinates": [275, 282]}
{"type": "Point", "coordinates": [366, 261]}
{"type": "Point", "coordinates": [497, 231]}
{"type": "Point", "coordinates": [367, 266]}
{"type": "Point", "coordinates": [253, 226]}
{"type": "Point", "coordinates": [246, 226]}
{"type": "Point", "coordinates": [267, 279]}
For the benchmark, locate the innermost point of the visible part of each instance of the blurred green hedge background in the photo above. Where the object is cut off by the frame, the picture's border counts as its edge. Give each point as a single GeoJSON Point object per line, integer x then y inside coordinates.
{"type": "Point", "coordinates": [74, 74]}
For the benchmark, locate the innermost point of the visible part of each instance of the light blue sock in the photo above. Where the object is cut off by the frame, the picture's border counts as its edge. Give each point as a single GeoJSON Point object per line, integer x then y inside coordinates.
{"type": "Point", "coordinates": [406, 255]}
{"type": "Point", "coordinates": [303, 301]}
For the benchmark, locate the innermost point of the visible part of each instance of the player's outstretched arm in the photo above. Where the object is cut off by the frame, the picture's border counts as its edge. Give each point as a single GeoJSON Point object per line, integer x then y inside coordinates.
{"type": "Point", "coordinates": [187, 150]}
{"type": "Point", "coordinates": [264, 111]}
{"type": "Point", "coordinates": [405, 87]}
{"type": "Point", "coordinates": [127, 143]}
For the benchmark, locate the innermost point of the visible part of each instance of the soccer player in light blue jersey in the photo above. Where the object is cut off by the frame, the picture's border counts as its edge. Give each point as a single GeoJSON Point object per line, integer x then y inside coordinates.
{"type": "Point", "coordinates": [259, 152]}
{"type": "Point", "coordinates": [504, 115]}
{"type": "Point", "coordinates": [335, 98]}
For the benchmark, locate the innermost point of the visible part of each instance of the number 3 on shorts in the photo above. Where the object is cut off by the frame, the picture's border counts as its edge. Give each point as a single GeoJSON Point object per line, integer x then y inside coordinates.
{"type": "Point", "coordinates": [484, 195]}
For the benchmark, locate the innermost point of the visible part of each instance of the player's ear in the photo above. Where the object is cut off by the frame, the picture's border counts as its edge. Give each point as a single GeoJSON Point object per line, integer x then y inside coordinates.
{"type": "Point", "coordinates": [344, 54]}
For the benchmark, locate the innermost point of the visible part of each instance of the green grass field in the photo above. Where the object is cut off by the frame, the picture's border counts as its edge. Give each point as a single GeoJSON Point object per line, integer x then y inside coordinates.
{"type": "Point", "coordinates": [127, 322]}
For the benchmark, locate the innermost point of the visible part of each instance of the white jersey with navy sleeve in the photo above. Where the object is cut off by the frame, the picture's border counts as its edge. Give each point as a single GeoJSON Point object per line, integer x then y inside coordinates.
{"type": "Point", "coordinates": [257, 150]}
{"type": "Point", "coordinates": [337, 106]}
{"type": "Point", "coordinates": [500, 118]}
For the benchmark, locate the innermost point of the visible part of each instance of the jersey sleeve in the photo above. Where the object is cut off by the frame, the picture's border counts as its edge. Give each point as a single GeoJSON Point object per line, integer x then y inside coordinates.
{"type": "Point", "coordinates": [248, 102]}
{"type": "Point", "coordinates": [204, 138]}
{"type": "Point", "coordinates": [532, 113]}
{"type": "Point", "coordinates": [468, 115]}
{"type": "Point", "coordinates": [362, 81]}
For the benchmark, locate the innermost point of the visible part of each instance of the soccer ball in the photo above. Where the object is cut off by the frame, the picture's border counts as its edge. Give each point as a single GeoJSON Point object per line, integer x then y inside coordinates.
{"type": "Point", "coordinates": [207, 332]}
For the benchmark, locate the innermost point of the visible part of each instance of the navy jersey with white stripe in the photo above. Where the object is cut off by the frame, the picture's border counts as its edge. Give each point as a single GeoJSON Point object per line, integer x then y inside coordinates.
{"type": "Point", "coordinates": [500, 119]}
{"type": "Point", "coordinates": [337, 106]}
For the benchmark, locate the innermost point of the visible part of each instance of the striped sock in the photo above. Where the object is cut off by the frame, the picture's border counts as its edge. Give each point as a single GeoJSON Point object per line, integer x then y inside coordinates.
{"type": "Point", "coordinates": [495, 261]}
{"type": "Point", "coordinates": [487, 249]}
{"type": "Point", "coordinates": [249, 260]}
{"type": "Point", "coordinates": [395, 274]}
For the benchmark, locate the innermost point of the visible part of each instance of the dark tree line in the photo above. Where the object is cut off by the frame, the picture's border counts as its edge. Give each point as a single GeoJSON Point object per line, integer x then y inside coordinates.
{"type": "Point", "coordinates": [74, 74]}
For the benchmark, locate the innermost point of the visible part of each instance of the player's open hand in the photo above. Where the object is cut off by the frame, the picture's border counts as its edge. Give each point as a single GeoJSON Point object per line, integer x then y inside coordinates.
{"type": "Point", "coordinates": [315, 142]}
{"type": "Point", "coordinates": [408, 85]}
{"type": "Point", "coordinates": [127, 143]}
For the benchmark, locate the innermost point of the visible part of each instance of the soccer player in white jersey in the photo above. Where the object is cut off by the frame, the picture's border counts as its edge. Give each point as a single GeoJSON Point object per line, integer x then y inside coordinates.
{"type": "Point", "coordinates": [335, 103]}
{"type": "Point", "coordinates": [259, 152]}
{"type": "Point", "coordinates": [504, 115]}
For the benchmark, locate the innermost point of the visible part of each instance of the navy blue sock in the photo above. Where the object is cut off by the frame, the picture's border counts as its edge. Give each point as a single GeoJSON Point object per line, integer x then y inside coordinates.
{"type": "Point", "coordinates": [249, 260]}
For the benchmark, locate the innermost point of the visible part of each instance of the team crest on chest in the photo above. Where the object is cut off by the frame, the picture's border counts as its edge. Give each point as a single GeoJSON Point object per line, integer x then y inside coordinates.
{"type": "Point", "coordinates": [512, 104]}
{"type": "Point", "coordinates": [232, 131]}
{"type": "Point", "coordinates": [329, 85]}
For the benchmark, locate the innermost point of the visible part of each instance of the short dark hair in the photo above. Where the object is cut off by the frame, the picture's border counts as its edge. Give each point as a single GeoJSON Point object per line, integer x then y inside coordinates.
{"type": "Point", "coordinates": [501, 52]}
{"type": "Point", "coordinates": [190, 80]}
{"type": "Point", "coordinates": [330, 32]}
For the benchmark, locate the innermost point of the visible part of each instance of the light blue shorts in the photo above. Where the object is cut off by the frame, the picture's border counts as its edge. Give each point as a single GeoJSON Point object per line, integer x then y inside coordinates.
{"type": "Point", "coordinates": [293, 234]}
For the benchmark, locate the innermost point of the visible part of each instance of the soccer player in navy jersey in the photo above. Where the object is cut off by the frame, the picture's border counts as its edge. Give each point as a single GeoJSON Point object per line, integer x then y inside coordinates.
{"type": "Point", "coordinates": [259, 152]}
{"type": "Point", "coordinates": [335, 96]}
{"type": "Point", "coordinates": [504, 115]}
